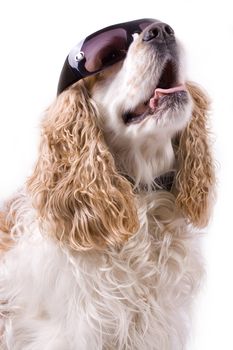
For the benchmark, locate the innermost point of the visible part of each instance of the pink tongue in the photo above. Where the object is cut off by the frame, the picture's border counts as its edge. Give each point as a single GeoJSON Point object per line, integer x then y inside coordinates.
{"type": "Point", "coordinates": [162, 92]}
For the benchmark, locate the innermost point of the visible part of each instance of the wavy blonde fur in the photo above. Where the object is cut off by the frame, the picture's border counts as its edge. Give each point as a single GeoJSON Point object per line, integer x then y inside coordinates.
{"type": "Point", "coordinates": [195, 178]}
{"type": "Point", "coordinates": [80, 197]}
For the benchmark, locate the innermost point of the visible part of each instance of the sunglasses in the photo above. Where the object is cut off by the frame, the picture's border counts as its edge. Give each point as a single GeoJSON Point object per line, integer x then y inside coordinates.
{"type": "Point", "coordinates": [99, 51]}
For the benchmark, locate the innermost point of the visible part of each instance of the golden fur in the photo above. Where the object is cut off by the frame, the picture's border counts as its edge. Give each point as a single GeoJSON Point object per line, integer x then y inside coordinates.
{"type": "Point", "coordinates": [78, 193]}
{"type": "Point", "coordinates": [195, 178]}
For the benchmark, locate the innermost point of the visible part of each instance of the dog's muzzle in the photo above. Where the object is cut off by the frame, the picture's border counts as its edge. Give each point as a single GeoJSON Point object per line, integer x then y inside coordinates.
{"type": "Point", "coordinates": [159, 33]}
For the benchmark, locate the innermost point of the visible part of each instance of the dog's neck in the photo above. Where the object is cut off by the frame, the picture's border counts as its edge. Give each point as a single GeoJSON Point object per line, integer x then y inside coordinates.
{"type": "Point", "coordinates": [162, 182]}
{"type": "Point", "coordinates": [145, 164]}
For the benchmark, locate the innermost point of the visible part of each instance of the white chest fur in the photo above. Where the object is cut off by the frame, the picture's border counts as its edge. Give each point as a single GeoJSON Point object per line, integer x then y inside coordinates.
{"type": "Point", "coordinates": [137, 297]}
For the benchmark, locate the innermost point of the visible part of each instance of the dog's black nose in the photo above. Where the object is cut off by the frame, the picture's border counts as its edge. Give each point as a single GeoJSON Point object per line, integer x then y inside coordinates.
{"type": "Point", "coordinates": [158, 32]}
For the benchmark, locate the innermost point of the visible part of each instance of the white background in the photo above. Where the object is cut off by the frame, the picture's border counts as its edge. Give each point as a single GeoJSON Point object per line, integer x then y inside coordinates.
{"type": "Point", "coordinates": [35, 38]}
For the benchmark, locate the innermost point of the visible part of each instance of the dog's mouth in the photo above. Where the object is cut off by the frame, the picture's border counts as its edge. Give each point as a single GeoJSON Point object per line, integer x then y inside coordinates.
{"type": "Point", "coordinates": [167, 88]}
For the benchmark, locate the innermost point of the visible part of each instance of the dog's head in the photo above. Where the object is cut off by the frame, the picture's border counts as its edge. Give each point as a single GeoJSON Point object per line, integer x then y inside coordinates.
{"type": "Point", "coordinates": [136, 119]}
{"type": "Point", "coordinates": [144, 103]}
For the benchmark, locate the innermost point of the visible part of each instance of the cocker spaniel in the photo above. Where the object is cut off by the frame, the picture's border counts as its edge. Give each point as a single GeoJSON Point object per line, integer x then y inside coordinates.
{"type": "Point", "coordinates": [100, 249]}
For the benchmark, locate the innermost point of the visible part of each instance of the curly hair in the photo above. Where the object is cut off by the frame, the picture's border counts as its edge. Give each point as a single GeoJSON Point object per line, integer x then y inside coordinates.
{"type": "Point", "coordinates": [76, 189]}
{"type": "Point", "coordinates": [195, 177]}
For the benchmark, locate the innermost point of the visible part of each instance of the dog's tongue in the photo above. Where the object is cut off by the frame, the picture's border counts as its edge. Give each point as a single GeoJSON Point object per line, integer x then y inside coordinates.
{"type": "Point", "coordinates": [162, 92]}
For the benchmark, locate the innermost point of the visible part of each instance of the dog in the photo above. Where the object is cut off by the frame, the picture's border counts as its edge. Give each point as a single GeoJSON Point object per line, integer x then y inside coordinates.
{"type": "Point", "coordinates": [101, 247]}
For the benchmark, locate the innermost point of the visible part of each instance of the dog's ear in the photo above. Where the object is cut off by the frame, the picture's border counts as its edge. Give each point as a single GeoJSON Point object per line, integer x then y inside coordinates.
{"type": "Point", "coordinates": [79, 195]}
{"type": "Point", "coordinates": [195, 178]}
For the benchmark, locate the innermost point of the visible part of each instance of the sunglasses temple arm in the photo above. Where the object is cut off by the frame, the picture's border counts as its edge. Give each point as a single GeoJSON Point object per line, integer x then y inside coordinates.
{"type": "Point", "coordinates": [68, 77]}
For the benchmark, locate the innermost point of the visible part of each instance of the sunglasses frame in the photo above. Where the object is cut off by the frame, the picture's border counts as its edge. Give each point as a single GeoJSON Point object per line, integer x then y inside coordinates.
{"type": "Point", "coordinates": [74, 67]}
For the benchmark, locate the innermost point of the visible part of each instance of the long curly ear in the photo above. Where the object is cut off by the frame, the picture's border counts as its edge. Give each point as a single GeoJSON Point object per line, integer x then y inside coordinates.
{"type": "Point", "coordinates": [195, 178]}
{"type": "Point", "coordinates": [80, 197]}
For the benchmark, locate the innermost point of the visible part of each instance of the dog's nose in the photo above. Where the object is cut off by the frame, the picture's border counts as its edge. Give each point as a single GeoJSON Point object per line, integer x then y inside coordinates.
{"type": "Point", "coordinates": [158, 32]}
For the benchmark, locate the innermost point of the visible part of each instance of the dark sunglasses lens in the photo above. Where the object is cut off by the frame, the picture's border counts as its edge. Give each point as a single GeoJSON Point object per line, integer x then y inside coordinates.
{"type": "Point", "coordinates": [105, 49]}
{"type": "Point", "coordinates": [144, 25]}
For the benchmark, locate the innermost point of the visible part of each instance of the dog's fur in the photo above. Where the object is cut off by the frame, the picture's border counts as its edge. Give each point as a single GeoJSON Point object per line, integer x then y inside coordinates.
{"type": "Point", "coordinates": [94, 255]}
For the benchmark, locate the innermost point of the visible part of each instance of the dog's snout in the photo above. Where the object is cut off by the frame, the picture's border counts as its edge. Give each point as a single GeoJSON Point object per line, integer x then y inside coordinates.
{"type": "Point", "coordinates": [158, 32]}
